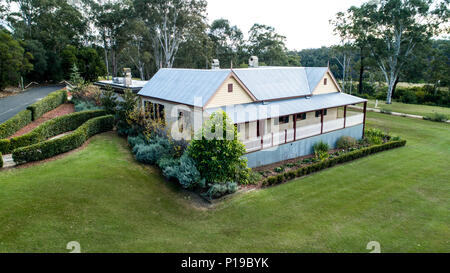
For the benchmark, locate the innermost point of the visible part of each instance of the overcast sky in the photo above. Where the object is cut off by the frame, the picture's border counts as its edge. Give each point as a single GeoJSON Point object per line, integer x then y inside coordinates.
{"type": "Point", "coordinates": [305, 23]}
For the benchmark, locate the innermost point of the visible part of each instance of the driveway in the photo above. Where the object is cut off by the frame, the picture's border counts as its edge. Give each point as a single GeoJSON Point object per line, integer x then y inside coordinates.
{"type": "Point", "coordinates": [12, 105]}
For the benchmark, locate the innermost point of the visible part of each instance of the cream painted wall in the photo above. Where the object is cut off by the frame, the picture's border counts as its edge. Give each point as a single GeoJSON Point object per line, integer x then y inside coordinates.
{"type": "Point", "coordinates": [324, 89]}
{"type": "Point", "coordinates": [222, 97]}
{"type": "Point", "coordinates": [172, 109]}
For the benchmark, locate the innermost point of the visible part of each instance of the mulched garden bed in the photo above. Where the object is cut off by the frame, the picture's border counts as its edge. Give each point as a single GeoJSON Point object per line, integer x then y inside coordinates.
{"type": "Point", "coordinates": [61, 110]}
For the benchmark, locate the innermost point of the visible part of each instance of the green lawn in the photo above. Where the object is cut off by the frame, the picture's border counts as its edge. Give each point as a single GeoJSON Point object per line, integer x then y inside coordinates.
{"type": "Point", "coordinates": [101, 198]}
{"type": "Point", "coordinates": [413, 109]}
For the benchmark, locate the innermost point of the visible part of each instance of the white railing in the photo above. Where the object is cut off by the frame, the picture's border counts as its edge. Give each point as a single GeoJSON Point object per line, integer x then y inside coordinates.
{"type": "Point", "coordinates": [282, 137]}
{"type": "Point", "coordinates": [253, 144]}
{"type": "Point", "coordinates": [308, 131]}
{"type": "Point", "coordinates": [332, 125]}
{"type": "Point", "coordinates": [354, 120]}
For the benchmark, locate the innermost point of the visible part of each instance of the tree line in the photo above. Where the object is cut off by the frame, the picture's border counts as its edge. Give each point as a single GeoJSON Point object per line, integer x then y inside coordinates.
{"type": "Point", "coordinates": [388, 40]}
{"type": "Point", "coordinates": [44, 39]}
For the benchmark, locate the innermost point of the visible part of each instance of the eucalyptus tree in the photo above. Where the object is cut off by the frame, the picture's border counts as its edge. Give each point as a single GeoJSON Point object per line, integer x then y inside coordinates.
{"type": "Point", "coordinates": [136, 50]}
{"type": "Point", "coordinates": [228, 42]}
{"type": "Point", "coordinates": [395, 29]}
{"type": "Point", "coordinates": [268, 45]}
{"type": "Point", "coordinates": [343, 55]}
{"type": "Point", "coordinates": [170, 23]}
{"type": "Point", "coordinates": [352, 26]}
{"type": "Point", "coordinates": [111, 19]}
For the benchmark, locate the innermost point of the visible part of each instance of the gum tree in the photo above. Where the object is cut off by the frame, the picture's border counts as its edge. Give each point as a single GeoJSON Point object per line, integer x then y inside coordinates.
{"type": "Point", "coordinates": [395, 28]}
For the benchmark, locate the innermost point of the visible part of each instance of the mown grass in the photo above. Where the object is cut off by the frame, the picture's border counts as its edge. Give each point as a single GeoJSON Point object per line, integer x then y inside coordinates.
{"type": "Point", "coordinates": [101, 198]}
{"type": "Point", "coordinates": [413, 109]}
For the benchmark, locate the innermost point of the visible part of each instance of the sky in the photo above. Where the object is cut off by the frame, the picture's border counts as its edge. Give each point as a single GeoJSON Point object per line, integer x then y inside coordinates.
{"type": "Point", "coordinates": [305, 23]}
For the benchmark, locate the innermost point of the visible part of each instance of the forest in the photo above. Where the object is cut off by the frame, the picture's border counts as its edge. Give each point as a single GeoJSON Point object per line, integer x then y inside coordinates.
{"type": "Point", "coordinates": [382, 43]}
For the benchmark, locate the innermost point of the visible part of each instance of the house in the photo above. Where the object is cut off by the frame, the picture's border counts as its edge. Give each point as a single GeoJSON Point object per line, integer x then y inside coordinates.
{"type": "Point", "coordinates": [280, 112]}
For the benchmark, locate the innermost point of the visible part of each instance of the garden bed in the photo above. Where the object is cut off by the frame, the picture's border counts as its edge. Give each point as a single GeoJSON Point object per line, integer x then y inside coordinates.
{"type": "Point", "coordinates": [61, 110]}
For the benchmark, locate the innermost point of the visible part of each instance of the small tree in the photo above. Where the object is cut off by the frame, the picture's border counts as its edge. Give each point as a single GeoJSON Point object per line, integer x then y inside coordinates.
{"type": "Point", "coordinates": [109, 100]}
{"type": "Point", "coordinates": [218, 158]}
{"type": "Point", "coordinates": [78, 84]}
{"type": "Point", "coordinates": [125, 107]}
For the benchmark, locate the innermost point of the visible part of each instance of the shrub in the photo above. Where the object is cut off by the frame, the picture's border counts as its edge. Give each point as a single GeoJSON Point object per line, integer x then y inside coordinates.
{"type": "Point", "coordinates": [254, 177]}
{"type": "Point", "coordinates": [217, 158]}
{"type": "Point", "coordinates": [49, 129]}
{"type": "Point", "coordinates": [333, 161]}
{"type": "Point", "coordinates": [220, 189]}
{"type": "Point", "coordinates": [50, 102]}
{"type": "Point", "coordinates": [158, 147]}
{"type": "Point", "coordinates": [137, 140]}
{"type": "Point", "coordinates": [64, 144]}
{"type": "Point", "coordinates": [149, 154]}
{"type": "Point", "coordinates": [15, 123]}
{"type": "Point", "coordinates": [109, 100]}
{"type": "Point", "coordinates": [409, 97]}
{"type": "Point", "coordinates": [242, 172]}
{"type": "Point", "coordinates": [436, 117]}
{"type": "Point", "coordinates": [279, 169]}
{"type": "Point", "coordinates": [346, 142]}
{"type": "Point", "coordinates": [321, 150]}
{"type": "Point", "coordinates": [85, 105]}
{"type": "Point", "coordinates": [184, 170]}
{"type": "Point", "coordinates": [5, 146]}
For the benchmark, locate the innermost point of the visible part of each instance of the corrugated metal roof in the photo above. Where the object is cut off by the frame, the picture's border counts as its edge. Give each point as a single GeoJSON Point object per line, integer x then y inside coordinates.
{"type": "Point", "coordinates": [258, 110]}
{"type": "Point", "coordinates": [265, 83]}
{"type": "Point", "coordinates": [184, 85]}
{"type": "Point", "coordinates": [314, 75]}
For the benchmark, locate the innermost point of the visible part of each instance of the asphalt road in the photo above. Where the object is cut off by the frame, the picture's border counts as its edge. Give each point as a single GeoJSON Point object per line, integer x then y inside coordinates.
{"type": "Point", "coordinates": [12, 105]}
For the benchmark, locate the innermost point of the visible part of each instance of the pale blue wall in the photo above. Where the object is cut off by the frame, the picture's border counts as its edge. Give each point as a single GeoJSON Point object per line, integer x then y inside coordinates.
{"type": "Point", "coordinates": [300, 147]}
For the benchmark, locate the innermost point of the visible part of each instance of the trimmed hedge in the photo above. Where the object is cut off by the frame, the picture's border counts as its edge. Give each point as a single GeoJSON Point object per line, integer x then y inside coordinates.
{"type": "Point", "coordinates": [277, 179]}
{"type": "Point", "coordinates": [50, 148]}
{"type": "Point", "coordinates": [14, 124]}
{"type": "Point", "coordinates": [50, 102]}
{"type": "Point", "coordinates": [49, 129]}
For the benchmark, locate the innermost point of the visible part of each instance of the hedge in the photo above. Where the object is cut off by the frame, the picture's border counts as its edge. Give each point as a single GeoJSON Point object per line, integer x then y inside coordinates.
{"type": "Point", "coordinates": [14, 124]}
{"type": "Point", "coordinates": [64, 144]}
{"type": "Point", "coordinates": [277, 179]}
{"type": "Point", "coordinates": [50, 102]}
{"type": "Point", "coordinates": [49, 129]}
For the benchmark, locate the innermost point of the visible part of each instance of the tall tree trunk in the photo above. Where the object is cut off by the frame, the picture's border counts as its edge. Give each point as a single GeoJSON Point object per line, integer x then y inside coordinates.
{"type": "Point", "coordinates": [361, 72]}
{"type": "Point", "coordinates": [107, 64]}
{"type": "Point", "coordinates": [395, 86]}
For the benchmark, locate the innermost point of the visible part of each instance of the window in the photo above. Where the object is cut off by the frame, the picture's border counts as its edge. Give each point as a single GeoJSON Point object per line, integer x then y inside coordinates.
{"type": "Point", "coordinates": [230, 88]}
{"type": "Point", "coordinates": [325, 81]}
{"type": "Point", "coordinates": [283, 120]}
{"type": "Point", "coordinates": [319, 113]}
{"type": "Point", "coordinates": [269, 126]}
{"type": "Point", "coordinates": [159, 110]}
{"type": "Point", "coordinates": [301, 116]}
